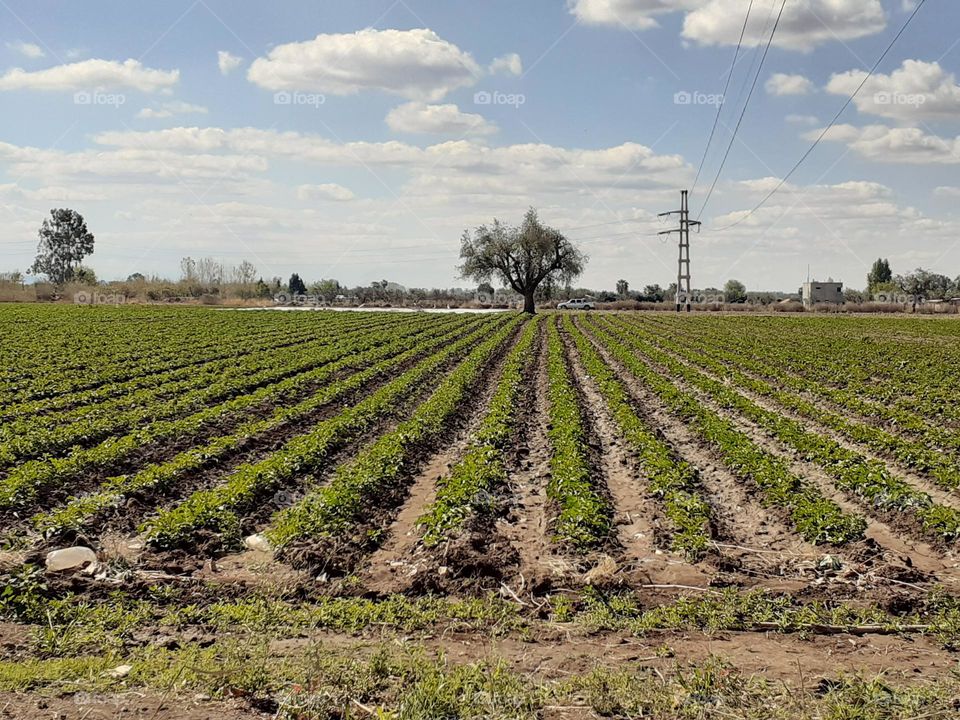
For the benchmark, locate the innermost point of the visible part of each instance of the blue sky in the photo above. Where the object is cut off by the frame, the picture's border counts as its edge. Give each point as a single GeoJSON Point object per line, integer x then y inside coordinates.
{"type": "Point", "coordinates": [357, 140]}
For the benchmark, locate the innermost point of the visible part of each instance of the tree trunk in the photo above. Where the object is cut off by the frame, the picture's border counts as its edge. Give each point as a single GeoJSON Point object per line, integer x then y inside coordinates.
{"type": "Point", "coordinates": [528, 304]}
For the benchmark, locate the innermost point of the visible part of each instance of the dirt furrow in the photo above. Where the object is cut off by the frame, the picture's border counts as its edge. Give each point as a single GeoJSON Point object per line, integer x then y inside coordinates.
{"type": "Point", "coordinates": [885, 544]}
{"type": "Point", "coordinates": [642, 529]}
{"type": "Point", "coordinates": [408, 500]}
{"type": "Point", "coordinates": [753, 543]}
{"type": "Point", "coordinates": [924, 484]}
{"type": "Point", "coordinates": [393, 567]}
{"type": "Point", "coordinates": [526, 525]}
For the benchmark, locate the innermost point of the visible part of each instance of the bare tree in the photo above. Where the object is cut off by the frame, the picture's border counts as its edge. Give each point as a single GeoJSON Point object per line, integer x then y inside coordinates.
{"type": "Point", "coordinates": [188, 269]}
{"type": "Point", "coordinates": [209, 272]}
{"type": "Point", "coordinates": [245, 273]}
{"type": "Point", "coordinates": [521, 257]}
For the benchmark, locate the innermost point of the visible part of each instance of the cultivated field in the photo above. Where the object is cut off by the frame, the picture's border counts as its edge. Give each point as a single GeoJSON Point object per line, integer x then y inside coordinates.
{"type": "Point", "coordinates": [323, 514]}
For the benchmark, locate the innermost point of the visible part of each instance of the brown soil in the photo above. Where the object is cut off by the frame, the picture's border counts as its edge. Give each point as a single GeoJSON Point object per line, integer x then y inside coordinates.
{"type": "Point", "coordinates": [103, 706]}
{"type": "Point", "coordinates": [392, 567]}
{"type": "Point", "coordinates": [341, 555]}
{"type": "Point", "coordinates": [641, 527]}
{"type": "Point", "coordinates": [754, 544]}
{"type": "Point", "coordinates": [127, 516]}
{"type": "Point", "coordinates": [526, 525]}
{"type": "Point", "coordinates": [898, 556]}
{"type": "Point", "coordinates": [914, 479]}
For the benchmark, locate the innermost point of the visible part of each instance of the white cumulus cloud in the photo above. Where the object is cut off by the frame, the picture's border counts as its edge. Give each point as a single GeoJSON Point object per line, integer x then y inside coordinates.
{"type": "Point", "coordinates": [895, 145]}
{"type": "Point", "coordinates": [169, 109]}
{"type": "Point", "coordinates": [509, 64]}
{"type": "Point", "coordinates": [227, 62]}
{"type": "Point", "coordinates": [803, 26]}
{"type": "Point", "coordinates": [633, 14]}
{"type": "Point", "coordinates": [915, 90]}
{"type": "Point", "coordinates": [26, 49]}
{"type": "Point", "coordinates": [783, 84]}
{"type": "Point", "coordinates": [90, 74]}
{"type": "Point", "coordinates": [416, 64]}
{"type": "Point", "coordinates": [418, 117]}
{"type": "Point", "coordinates": [326, 191]}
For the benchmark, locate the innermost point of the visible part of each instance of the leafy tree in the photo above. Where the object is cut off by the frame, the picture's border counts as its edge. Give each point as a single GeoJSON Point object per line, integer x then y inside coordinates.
{"type": "Point", "coordinates": [296, 286]}
{"type": "Point", "coordinates": [880, 274]}
{"type": "Point", "coordinates": [64, 243]}
{"type": "Point", "coordinates": [926, 284]}
{"type": "Point", "coordinates": [653, 293]}
{"type": "Point", "coordinates": [735, 292]}
{"type": "Point", "coordinates": [623, 288]}
{"type": "Point", "coordinates": [262, 290]}
{"type": "Point", "coordinates": [327, 289]}
{"type": "Point", "coordinates": [136, 277]}
{"type": "Point", "coordinates": [853, 296]}
{"type": "Point", "coordinates": [521, 257]}
{"type": "Point", "coordinates": [84, 275]}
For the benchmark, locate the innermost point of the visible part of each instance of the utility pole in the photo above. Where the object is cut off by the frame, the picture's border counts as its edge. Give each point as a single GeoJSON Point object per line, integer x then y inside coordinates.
{"type": "Point", "coordinates": [683, 262]}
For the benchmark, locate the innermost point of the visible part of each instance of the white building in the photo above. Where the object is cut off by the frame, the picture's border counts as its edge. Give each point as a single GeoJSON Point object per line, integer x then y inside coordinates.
{"type": "Point", "coordinates": [816, 293]}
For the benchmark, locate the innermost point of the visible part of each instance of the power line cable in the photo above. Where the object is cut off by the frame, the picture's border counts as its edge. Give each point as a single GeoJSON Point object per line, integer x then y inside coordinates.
{"type": "Point", "coordinates": [746, 104]}
{"type": "Point", "coordinates": [726, 88]}
{"type": "Point", "coordinates": [832, 122]}
{"type": "Point", "coordinates": [602, 224]}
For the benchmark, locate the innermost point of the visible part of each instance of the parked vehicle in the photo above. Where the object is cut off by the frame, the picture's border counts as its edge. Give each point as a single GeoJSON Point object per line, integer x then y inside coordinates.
{"type": "Point", "coordinates": [576, 304]}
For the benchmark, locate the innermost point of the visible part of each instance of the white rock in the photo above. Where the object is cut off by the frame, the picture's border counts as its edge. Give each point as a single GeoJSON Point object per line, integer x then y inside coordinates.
{"type": "Point", "coordinates": [257, 542]}
{"type": "Point", "coordinates": [120, 671]}
{"type": "Point", "coordinates": [70, 558]}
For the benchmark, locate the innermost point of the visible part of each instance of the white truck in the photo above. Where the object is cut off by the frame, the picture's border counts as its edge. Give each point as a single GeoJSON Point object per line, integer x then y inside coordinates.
{"type": "Point", "coordinates": [576, 304]}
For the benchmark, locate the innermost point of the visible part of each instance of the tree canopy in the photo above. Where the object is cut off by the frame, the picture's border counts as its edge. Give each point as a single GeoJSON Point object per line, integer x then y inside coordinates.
{"type": "Point", "coordinates": [521, 257]}
{"type": "Point", "coordinates": [880, 274]}
{"type": "Point", "coordinates": [735, 292]}
{"type": "Point", "coordinates": [64, 243]}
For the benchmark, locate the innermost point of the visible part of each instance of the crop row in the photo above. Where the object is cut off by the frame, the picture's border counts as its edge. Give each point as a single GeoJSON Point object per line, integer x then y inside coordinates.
{"type": "Point", "coordinates": [21, 487]}
{"type": "Point", "coordinates": [868, 479]}
{"type": "Point", "coordinates": [76, 352]}
{"type": "Point", "coordinates": [374, 477]}
{"type": "Point", "coordinates": [773, 362]}
{"type": "Point", "coordinates": [112, 397]}
{"type": "Point", "coordinates": [942, 468]}
{"type": "Point", "coordinates": [585, 515]}
{"type": "Point", "coordinates": [466, 491]}
{"type": "Point", "coordinates": [816, 518]}
{"type": "Point", "coordinates": [158, 477]}
{"type": "Point", "coordinates": [46, 436]}
{"type": "Point", "coordinates": [219, 508]}
{"type": "Point", "coordinates": [878, 360]}
{"type": "Point", "coordinates": [672, 479]}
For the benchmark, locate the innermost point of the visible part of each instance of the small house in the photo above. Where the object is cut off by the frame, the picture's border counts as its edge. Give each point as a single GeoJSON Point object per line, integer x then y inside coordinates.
{"type": "Point", "coordinates": [817, 293]}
